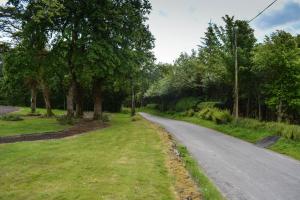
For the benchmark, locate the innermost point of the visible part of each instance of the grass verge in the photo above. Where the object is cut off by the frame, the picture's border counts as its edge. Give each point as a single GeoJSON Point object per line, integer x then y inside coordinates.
{"type": "Point", "coordinates": [207, 188]}
{"type": "Point", "coordinates": [284, 146]}
{"type": "Point", "coordinates": [124, 161]}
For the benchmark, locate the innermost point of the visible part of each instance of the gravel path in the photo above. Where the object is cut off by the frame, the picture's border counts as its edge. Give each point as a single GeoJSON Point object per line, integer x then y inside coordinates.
{"type": "Point", "coordinates": [242, 171]}
{"type": "Point", "coordinates": [7, 109]}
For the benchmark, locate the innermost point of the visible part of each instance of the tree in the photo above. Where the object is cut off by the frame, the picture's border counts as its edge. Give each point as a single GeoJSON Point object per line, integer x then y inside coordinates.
{"type": "Point", "coordinates": [278, 59]}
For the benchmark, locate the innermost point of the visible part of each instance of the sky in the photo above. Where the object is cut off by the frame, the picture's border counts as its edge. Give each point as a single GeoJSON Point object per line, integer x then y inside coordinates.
{"type": "Point", "coordinates": [179, 25]}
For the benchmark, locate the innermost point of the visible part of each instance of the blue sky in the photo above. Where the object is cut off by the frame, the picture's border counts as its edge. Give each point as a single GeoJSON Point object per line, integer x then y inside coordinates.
{"type": "Point", "coordinates": [178, 25]}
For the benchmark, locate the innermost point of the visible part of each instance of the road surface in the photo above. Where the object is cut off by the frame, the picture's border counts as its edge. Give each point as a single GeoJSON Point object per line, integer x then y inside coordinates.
{"type": "Point", "coordinates": [7, 109]}
{"type": "Point", "coordinates": [239, 169]}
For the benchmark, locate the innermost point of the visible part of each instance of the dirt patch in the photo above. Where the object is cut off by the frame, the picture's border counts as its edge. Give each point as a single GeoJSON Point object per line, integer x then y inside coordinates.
{"type": "Point", "coordinates": [80, 128]}
{"type": "Point", "coordinates": [185, 187]}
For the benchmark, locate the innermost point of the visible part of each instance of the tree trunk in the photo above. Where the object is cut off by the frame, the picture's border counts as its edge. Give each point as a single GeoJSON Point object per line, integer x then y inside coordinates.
{"type": "Point", "coordinates": [259, 109]}
{"type": "Point", "coordinates": [79, 101]}
{"type": "Point", "coordinates": [236, 79]}
{"type": "Point", "coordinates": [33, 91]}
{"type": "Point", "coordinates": [279, 112]}
{"type": "Point", "coordinates": [70, 100]}
{"type": "Point", "coordinates": [46, 94]}
{"type": "Point", "coordinates": [248, 107]}
{"type": "Point", "coordinates": [97, 89]}
{"type": "Point", "coordinates": [132, 99]}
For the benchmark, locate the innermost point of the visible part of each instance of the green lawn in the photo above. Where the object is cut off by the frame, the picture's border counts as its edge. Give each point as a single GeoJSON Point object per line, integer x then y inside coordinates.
{"type": "Point", "coordinates": [42, 111]}
{"type": "Point", "coordinates": [123, 161]}
{"type": "Point", "coordinates": [30, 125]}
{"type": "Point", "coordinates": [284, 146]}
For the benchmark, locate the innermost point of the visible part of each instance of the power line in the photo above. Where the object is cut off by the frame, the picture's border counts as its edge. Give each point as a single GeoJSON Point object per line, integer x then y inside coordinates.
{"type": "Point", "coordinates": [262, 11]}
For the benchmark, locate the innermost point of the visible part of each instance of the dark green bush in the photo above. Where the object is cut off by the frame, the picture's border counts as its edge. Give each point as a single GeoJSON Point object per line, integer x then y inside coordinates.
{"type": "Point", "coordinates": [11, 118]}
{"type": "Point", "coordinates": [152, 106]}
{"type": "Point", "coordinates": [185, 104]}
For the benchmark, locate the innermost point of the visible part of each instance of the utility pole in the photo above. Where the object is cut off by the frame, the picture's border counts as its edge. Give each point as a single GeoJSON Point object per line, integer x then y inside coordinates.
{"type": "Point", "coordinates": [236, 79]}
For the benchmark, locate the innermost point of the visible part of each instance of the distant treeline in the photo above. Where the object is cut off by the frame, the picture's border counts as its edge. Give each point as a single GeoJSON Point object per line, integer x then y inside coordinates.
{"type": "Point", "coordinates": [269, 73]}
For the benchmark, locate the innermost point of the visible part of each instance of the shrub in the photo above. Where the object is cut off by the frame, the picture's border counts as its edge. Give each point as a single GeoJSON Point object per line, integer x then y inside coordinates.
{"type": "Point", "coordinates": [106, 117]}
{"type": "Point", "coordinates": [216, 115]}
{"type": "Point", "coordinates": [11, 118]}
{"type": "Point", "coordinates": [208, 104]}
{"type": "Point", "coordinates": [221, 116]}
{"type": "Point", "coordinates": [152, 106]}
{"type": "Point", "coordinates": [136, 118]}
{"type": "Point", "coordinates": [190, 113]}
{"type": "Point", "coordinates": [125, 110]}
{"type": "Point", "coordinates": [185, 104]}
{"type": "Point", "coordinates": [66, 120]}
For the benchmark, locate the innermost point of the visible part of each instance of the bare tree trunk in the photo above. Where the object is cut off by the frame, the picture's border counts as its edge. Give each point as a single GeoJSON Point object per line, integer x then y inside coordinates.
{"type": "Point", "coordinates": [248, 107]}
{"type": "Point", "coordinates": [70, 100]}
{"type": "Point", "coordinates": [132, 99]}
{"type": "Point", "coordinates": [259, 109]}
{"type": "Point", "coordinates": [33, 91]}
{"type": "Point", "coordinates": [79, 101]}
{"type": "Point", "coordinates": [279, 112]}
{"type": "Point", "coordinates": [97, 89]}
{"type": "Point", "coordinates": [46, 94]}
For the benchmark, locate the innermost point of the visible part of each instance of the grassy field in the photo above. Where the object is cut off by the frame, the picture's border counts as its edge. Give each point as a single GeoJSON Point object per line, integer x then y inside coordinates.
{"type": "Point", "coordinates": [124, 161]}
{"type": "Point", "coordinates": [284, 146]}
{"type": "Point", "coordinates": [42, 111]}
{"type": "Point", "coordinates": [30, 125]}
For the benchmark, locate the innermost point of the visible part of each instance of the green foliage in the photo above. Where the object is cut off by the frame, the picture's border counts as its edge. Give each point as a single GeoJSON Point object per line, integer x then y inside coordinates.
{"type": "Point", "coordinates": [285, 130]}
{"type": "Point", "coordinates": [207, 104]}
{"type": "Point", "coordinates": [186, 103]}
{"type": "Point", "coordinates": [106, 117]}
{"type": "Point", "coordinates": [11, 118]}
{"type": "Point", "coordinates": [136, 118]}
{"type": "Point", "coordinates": [66, 120]}
{"type": "Point", "coordinates": [152, 106]}
{"type": "Point", "coordinates": [216, 115]}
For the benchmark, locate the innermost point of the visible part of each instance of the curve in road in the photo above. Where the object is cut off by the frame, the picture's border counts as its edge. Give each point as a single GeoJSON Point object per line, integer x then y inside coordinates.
{"type": "Point", "coordinates": [241, 170]}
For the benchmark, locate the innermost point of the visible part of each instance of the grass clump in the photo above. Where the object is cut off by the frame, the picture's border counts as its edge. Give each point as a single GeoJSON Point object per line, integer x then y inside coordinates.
{"type": "Point", "coordinates": [106, 117]}
{"type": "Point", "coordinates": [66, 120]}
{"type": "Point", "coordinates": [11, 118]}
{"type": "Point", "coordinates": [208, 190]}
{"type": "Point", "coordinates": [136, 118]}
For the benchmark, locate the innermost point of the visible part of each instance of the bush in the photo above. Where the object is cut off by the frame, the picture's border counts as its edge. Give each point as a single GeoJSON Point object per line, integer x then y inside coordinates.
{"type": "Point", "coordinates": [190, 113]}
{"type": "Point", "coordinates": [125, 110]}
{"type": "Point", "coordinates": [152, 106]}
{"type": "Point", "coordinates": [106, 117]}
{"type": "Point", "coordinates": [185, 104]}
{"type": "Point", "coordinates": [215, 114]}
{"type": "Point", "coordinates": [136, 118]}
{"type": "Point", "coordinates": [11, 118]}
{"type": "Point", "coordinates": [208, 104]}
{"type": "Point", "coordinates": [66, 120]}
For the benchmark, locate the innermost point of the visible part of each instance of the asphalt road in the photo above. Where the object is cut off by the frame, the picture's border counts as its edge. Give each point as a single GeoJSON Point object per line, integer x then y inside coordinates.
{"type": "Point", "coordinates": [239, 169]}
{"type": "Point", "coordinates": [7, 109]}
